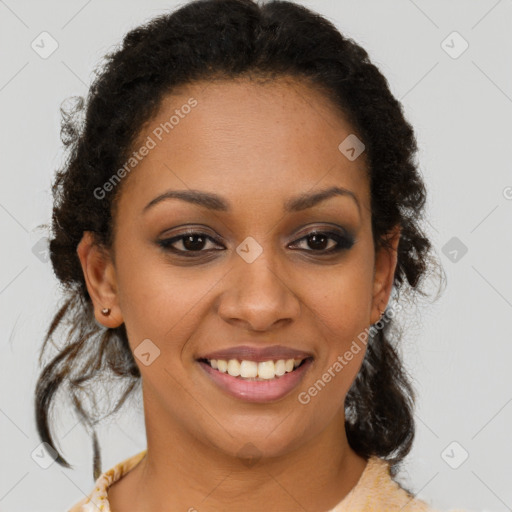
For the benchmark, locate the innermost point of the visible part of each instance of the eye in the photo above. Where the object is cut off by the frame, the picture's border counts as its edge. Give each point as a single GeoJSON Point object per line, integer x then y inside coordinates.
{"type": "Point", "coordinates": [326, 242]}
{"type": "Point", "coordinates": [192, 242]}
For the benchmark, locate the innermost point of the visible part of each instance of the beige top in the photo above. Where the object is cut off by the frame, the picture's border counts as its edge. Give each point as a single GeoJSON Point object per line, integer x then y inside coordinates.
{"type": "Point", "coordinates": [375, 491]}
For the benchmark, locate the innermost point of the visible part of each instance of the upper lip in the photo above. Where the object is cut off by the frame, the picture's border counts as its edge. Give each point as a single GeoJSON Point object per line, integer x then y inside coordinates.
{"type": "Point", "coordinates": [257, 354]}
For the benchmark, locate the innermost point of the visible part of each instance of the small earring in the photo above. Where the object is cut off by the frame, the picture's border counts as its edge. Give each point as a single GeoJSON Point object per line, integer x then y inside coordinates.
{"type": "Point", "coordinates": [105, 311]}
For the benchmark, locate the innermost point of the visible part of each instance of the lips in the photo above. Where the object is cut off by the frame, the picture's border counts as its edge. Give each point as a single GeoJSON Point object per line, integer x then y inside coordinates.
{"type": "Point", "coordinates": [256, 374]}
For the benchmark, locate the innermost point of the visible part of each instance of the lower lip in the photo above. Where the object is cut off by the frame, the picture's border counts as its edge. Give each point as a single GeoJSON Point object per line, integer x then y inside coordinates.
{"type": "Point", "coordinates": [257, 390]}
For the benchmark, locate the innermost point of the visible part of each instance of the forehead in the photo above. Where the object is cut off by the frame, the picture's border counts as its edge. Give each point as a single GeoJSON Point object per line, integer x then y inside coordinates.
{"type": "Point", "coordinates": [243, 136]}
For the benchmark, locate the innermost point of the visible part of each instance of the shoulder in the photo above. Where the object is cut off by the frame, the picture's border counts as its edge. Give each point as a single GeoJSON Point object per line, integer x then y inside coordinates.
{"type": "Point", "coordinates": [377, 491]}
{"type": "Point", "coordinates": [97, 500]}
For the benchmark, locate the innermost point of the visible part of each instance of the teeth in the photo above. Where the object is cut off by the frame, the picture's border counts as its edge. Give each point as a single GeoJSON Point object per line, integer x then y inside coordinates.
{"type": "Point", "coordinates": [266, 370]}
{"type": "Point", "coordinates": [280, 367]}
{"type": "Point", "coordinates": [233, 368]}
{"type": "Point", "coordinates": [263, 370]}
{"type": "Point", "coordinates": [248, 369]}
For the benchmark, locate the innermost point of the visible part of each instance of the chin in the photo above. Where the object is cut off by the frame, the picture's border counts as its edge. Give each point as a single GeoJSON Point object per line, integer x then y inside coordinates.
{"type": "Point", "coordinates": [261, 439]}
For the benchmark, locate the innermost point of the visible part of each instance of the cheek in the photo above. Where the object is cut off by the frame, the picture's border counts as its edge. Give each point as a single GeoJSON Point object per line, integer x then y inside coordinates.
{"type": "Point", "coordinates": [343, 301]}
{"type": "Point", "coordinates": [159, 301]}
{"type": "Point", "coordinates": [323, 397]}
{"type": "Point", "coordinates": [341, 308]}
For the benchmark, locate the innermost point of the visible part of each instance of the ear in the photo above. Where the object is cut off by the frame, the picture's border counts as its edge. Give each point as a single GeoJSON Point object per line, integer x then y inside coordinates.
{"type": "Point", "coordinates": [384, 271]}
{"type": "Point", "coordinates": [100, 279]}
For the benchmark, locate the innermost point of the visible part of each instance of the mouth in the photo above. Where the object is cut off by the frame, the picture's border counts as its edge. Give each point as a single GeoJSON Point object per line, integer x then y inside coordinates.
{"type": "Point", "coordinates": [256, 381]}
{"type": "Point", "coordinates": [253, 370]}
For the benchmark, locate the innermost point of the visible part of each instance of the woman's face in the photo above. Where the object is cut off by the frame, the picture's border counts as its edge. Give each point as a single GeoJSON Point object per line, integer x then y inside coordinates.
{"type": "Point", "coordinates": [250, 283]}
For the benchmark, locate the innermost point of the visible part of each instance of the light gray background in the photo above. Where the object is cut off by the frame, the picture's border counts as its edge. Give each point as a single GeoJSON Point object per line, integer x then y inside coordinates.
{"type": "Point", "coordinates": [458, 349]}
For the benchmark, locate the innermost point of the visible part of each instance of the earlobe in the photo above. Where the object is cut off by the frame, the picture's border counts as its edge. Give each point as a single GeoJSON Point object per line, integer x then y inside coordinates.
{"type": "Point", "coordinates": [100, 279]}
{"type": "Point", "coordinates": [385, 264]}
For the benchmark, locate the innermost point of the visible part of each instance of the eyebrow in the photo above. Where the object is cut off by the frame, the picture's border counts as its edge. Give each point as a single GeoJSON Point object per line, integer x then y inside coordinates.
{"type": "Point", "coordinates": [215, 202]}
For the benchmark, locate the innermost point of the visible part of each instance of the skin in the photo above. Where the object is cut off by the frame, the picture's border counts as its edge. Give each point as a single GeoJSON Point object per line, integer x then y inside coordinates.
{"type": "Point", "coordinates": [256, 145]}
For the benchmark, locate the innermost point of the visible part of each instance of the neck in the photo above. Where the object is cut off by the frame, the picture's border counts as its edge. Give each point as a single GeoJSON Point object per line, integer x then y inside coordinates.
{"type": "Point", "coordinates": [179, 473]}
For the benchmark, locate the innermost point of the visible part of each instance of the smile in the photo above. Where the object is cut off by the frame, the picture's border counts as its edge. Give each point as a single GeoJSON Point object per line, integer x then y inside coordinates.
{"type": "Point", "coordinates": [253, 370]}
{"type": "Point", "coordinates": [254, 381]}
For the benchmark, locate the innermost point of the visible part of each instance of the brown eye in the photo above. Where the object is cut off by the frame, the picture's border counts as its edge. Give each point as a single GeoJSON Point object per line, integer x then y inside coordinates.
{"type": "Point", "coordinates": [193, 242]}
{"type": "Point", "coordinates": [321, 242]}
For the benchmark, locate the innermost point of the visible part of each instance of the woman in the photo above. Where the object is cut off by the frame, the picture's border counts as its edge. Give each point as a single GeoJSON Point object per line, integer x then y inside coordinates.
{"type": "Point", "coordinates": [236, 209]}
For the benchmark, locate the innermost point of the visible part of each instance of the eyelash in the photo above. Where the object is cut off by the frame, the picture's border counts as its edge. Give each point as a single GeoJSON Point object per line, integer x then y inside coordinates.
{"type": "Point", "coordinates": [343, 243]}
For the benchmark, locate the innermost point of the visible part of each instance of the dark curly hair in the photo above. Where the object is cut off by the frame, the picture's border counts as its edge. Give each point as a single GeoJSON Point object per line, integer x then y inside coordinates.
{"type": "Point", "coordinates": [227, 39]}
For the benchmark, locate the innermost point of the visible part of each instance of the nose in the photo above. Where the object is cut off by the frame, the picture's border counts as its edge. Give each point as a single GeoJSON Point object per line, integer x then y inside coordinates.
{"type": "Point", "coordinates": [258, 296]}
